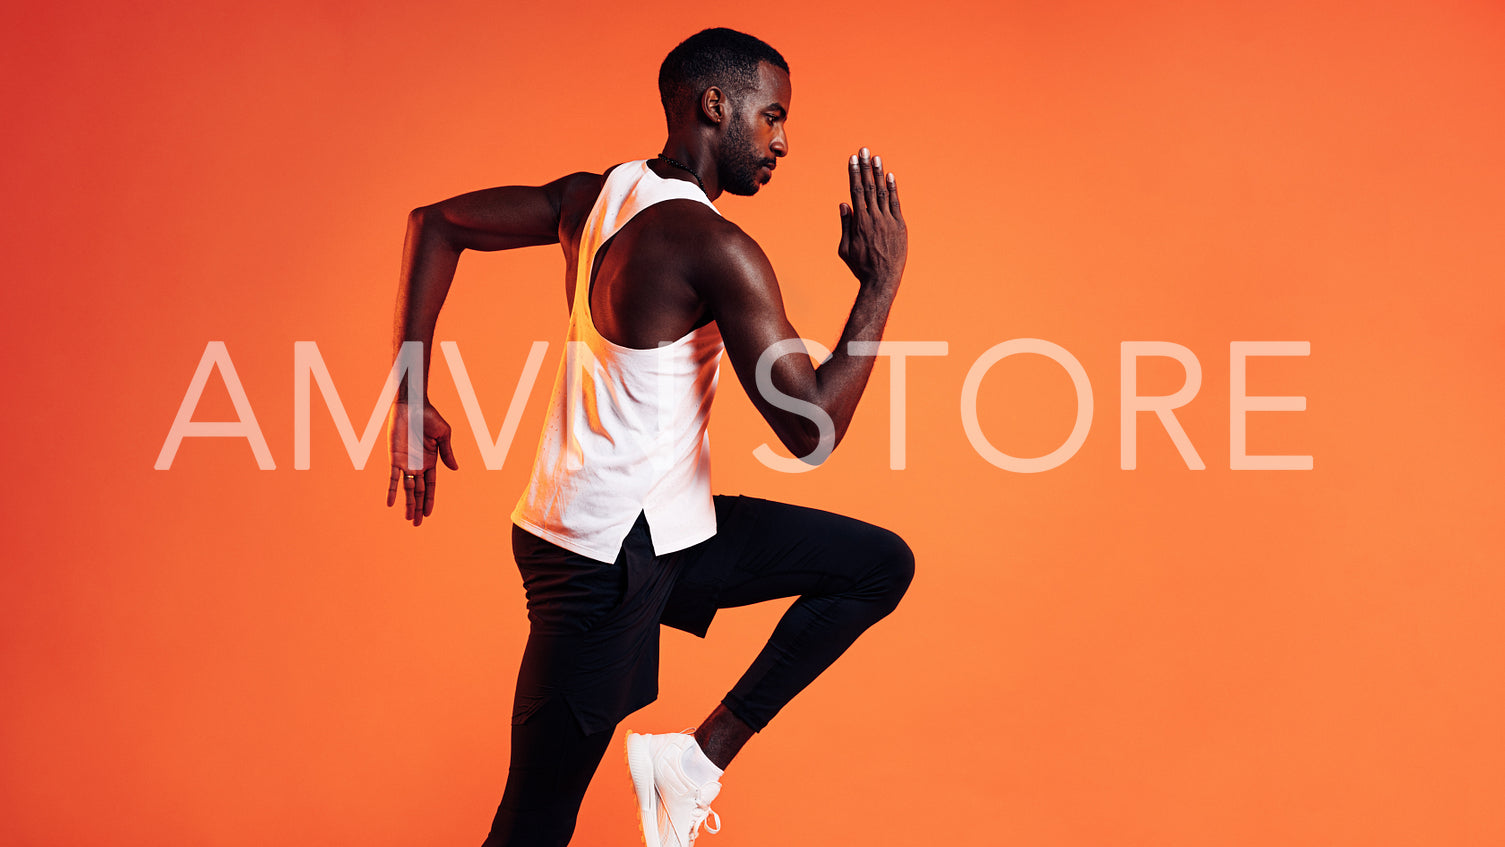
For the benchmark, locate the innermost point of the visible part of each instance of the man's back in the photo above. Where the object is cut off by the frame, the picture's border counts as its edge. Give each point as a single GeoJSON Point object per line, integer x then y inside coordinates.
{"type": "Point", "coordinates": [645, 286]}
{"type": "Point", "coordinates": [625, 432]}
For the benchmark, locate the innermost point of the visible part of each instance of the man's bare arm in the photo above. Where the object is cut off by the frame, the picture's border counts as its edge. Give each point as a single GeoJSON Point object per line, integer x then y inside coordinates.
{"type": "Point", "coordinates": [749, 309]}
{"type": "Point", "coordinates": [491, 219]}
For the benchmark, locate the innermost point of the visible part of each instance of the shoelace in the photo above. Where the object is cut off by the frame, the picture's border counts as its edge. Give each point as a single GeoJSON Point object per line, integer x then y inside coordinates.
{"type": "Point", "coordinates": [703, 811]}
{"type": "Point", "coordinates": [701, 816]}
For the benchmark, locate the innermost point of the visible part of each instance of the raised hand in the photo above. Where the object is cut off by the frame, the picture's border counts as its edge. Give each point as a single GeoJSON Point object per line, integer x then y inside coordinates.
{"type": "Point", "coordinates": [418, 483]}
{"type": "Point", "coordinates": [874, 241]}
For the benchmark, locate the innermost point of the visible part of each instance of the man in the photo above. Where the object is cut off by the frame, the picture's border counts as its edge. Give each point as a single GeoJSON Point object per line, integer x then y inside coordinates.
{"type": "Point", "coordinates": [617, 532]}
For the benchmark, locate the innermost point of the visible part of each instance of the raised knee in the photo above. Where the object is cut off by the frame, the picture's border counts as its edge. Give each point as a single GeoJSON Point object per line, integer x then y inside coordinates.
{"type": "Point", "coordinates": [895, 568]}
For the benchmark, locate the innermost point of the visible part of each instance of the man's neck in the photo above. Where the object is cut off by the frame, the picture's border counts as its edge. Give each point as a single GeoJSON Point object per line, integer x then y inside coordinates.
{"type": "Point", "coordinates": [691, 159]}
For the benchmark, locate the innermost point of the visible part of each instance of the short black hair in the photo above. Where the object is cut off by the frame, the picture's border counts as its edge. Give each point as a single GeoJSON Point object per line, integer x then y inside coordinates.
{"type": "Point", "coordinates": [721, 57]}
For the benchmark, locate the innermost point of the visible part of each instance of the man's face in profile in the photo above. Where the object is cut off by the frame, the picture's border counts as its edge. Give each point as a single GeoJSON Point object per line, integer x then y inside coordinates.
{"type": "Point", "coordinates": [755, 140]}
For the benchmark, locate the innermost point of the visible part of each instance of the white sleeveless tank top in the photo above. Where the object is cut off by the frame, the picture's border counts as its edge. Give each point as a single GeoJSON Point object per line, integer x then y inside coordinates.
{"type": "Point", "coordinates": [626, 428]}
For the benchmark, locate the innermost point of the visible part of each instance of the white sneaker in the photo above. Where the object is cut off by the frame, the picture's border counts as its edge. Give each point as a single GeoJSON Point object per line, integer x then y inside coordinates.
{"type": "Point", "coordinates": [671, 806]}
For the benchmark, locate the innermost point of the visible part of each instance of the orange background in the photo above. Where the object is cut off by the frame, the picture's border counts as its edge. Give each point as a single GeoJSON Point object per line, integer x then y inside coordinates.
{"type": "Point", "coordinates": [217, 655]}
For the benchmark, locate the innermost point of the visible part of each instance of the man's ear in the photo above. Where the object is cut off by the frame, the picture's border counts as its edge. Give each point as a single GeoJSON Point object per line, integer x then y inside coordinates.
{"type": "Point", "coordinates": [713, 105]}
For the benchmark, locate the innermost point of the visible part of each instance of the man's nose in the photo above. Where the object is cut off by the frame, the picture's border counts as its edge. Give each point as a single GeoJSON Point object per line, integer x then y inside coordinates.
{"type": "Point", "coordinates": [780, 145]}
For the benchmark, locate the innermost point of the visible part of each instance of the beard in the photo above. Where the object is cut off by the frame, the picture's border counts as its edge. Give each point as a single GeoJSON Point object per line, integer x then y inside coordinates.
{"type": "Point", "coordinates": [739, 170]}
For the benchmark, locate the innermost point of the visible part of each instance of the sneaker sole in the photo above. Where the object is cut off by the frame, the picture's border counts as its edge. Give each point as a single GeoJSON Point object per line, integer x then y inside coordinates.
{"type": "Point", "coordinates": [640, 765]}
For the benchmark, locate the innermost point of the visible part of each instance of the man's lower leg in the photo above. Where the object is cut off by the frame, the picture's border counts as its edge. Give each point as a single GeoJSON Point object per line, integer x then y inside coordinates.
{"type": "Point", "coordinates": [722, 735]}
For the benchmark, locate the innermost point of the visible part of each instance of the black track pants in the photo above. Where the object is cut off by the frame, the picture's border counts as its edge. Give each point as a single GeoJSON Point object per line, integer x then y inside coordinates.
{"type": "Point", "coordinates": [592, 651]}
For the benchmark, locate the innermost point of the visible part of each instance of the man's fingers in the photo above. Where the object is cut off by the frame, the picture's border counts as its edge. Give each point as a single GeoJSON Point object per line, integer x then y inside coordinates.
{"type": "Point", "coordinates": [893, 197]}
{"type": "Point", "coordinates": [447, 453]}
{"type": "Point", "coordinates": [430, 477]}
{"type": "Point", "coordinates": [395, 484]}
{"type": "Point", "coordinates": [880, 185]}
{"type": "Point", "coordinates": [419, 494]}
{"type": "Point", "coordinates": [865, 168]}
{"type": "Point", "coordinates": [407, 495]}
{"type": "Point", "coordinates": [854, 177]}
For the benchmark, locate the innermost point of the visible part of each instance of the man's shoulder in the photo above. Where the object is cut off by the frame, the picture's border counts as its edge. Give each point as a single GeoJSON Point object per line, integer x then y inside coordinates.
{"type": "Point", "coordinates": [695, 219]}
{"type": "Point", "coordinates": [690, 233]}
{"type": "Point", "coordinates": [711, 250]}
{"type": "Point", "coordinates": [579, 190]}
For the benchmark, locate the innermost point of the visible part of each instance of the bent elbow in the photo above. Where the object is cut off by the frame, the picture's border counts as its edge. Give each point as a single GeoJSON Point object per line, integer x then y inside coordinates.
{"type": "Point", "coordinates": [420, 216]}
{"type": "Point", "coordinates": [429, 225]}
{"type": "Point", "coordinates": [815, 459]}
{"type": "Point", "coordinates": [809, 444]}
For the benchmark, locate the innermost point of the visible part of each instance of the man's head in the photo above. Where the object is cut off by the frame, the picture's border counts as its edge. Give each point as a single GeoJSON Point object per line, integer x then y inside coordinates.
{"type": "Point", "coordinates": [735, 90]}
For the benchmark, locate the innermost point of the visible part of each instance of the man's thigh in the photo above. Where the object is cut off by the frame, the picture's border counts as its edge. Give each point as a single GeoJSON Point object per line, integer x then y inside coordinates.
{"type": "Point", "coordinates": [765, 550]}
{"type": "Point", "coordinates": [593, 629]}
